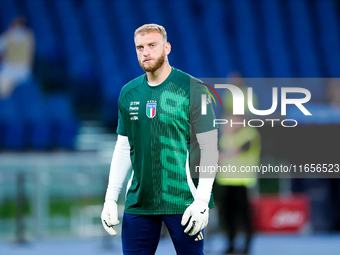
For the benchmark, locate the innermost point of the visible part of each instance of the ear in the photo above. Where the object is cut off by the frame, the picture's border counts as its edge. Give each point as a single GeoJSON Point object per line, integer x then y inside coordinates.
{"type": "Point", "coordinates": [167, 48]}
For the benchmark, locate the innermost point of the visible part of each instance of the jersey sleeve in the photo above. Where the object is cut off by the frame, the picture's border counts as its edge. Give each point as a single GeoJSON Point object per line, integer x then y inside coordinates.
{"type": "Point", "coordinates": [201, 123]}
{"type": "Point", "coordinates": [121, 127]}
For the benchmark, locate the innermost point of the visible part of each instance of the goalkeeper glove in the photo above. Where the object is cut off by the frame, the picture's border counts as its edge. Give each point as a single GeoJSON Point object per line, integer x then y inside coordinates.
{"type": "Point", "coordinates": [109, 216]}
{"type": "Point", "coordinates": [196, 216]}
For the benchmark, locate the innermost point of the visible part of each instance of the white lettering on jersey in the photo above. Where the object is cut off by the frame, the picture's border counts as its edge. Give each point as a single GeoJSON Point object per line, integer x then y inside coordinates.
{"type": "Point", "coordinates": [134, 103]}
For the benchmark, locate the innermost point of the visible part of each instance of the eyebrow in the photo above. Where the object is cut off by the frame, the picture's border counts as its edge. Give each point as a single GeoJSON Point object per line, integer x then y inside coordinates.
{"type": "Point", "coordinates": [147, 44]}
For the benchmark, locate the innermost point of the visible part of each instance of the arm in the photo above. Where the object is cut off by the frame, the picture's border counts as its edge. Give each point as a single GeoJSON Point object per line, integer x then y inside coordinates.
{"type": "Point", "coordinates": [198, 211]}
{"type": "Point", "coordinates": [120, 166]}
{"type": "Point", "coordinates": [209, 157]}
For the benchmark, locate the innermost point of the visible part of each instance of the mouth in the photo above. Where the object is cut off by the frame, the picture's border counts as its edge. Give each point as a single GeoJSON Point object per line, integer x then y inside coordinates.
{"type": "Point", "coordinates": [147, 60]}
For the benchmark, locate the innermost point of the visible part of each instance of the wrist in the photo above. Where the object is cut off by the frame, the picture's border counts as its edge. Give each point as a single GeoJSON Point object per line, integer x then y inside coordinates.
{"type": "Point", "coordinates": [203, 194]}
{"type": "Point", "coordinates": [112, 194]}
{"type": "Point", "coordinates": [201, 202]}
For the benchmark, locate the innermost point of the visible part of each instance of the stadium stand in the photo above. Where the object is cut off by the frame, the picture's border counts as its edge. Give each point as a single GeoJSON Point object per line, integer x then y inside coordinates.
{"type": "Point", "coordinates": [30, 104]}
{"type": "Point", "coordinates": [62, 121]}
{"type": "Point", "coordinates": [11, 127]}
{"type": "Point", "coordinates": [85, 47]}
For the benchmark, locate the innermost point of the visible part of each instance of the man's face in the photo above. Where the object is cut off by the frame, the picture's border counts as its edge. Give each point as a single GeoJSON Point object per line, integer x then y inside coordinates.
{"type": "Point", "coordinates": [151, 50]}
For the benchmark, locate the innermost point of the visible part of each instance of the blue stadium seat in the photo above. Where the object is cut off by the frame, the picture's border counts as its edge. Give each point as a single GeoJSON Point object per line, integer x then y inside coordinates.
{"type": "Point", "coordinates": [29, 102]}
{"type": "Point", "coordinates": [302, 38]}
{"type": "Point", "coordinates": [11, 126]}
{"type": "Point", "coordinates": [111, 65]}
{"type": "Point", "coordinates": [247, 39]}
{"type": "Point", "coordinates": [92, 42]}
{"type": "Point", "coordinates": [63, 123]}
{"type": "Point", "coordinates": [328, 21]}
{"type": "Point", "coordinates": [80, 66]}
{"type": "Point", "coordinates": [184, 23]}
{"type": "Point", "coordinates": [8, 11]}
{"type": "Point", "coordinates": [123, 16]}
{"type": "Point", "coordinates": [219, 50]}
{"type": "Point", "coordinates": [78, 59]}
{"type": "Point", "coordinates": [275, 41]}
{"type": "Point", "coordinates": [46, 43]}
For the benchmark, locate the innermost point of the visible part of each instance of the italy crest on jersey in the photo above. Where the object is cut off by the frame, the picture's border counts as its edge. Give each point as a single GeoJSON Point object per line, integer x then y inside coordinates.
{"type": "Point", "coordinates": [151, 110]}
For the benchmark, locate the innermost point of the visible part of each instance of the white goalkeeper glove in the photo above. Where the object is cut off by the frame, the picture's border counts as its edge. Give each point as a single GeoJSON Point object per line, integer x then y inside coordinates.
{"type": "Point", "coordinates": [196, 216]}
{"type": "Point", "coordinates": [110, 216]}
{"type": "Point", "coordinates": [120, 166]}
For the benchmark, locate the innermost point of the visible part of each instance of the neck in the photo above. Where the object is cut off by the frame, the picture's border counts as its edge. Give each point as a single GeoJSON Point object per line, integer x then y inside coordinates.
{"type": "Point", "coordinates": [160, 74]}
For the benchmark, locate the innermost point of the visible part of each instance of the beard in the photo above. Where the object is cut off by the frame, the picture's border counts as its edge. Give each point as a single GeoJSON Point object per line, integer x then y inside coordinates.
{"type": "Point", "coordinates": [153, 67]}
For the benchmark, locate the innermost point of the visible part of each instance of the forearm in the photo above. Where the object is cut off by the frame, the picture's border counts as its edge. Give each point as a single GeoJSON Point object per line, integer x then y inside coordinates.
{"type": "Point", "coordinates": [120, 166]}
{"type": "Point", "coordinates": [209, 158]}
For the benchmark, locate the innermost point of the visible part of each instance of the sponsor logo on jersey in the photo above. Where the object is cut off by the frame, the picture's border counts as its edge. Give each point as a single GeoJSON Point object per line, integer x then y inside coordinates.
{"type": "Point", "coordinates": [151, 110]}
{"type": "Point", "coordinates": [134, 118]}
{"type": "Point", "coordinates": [133, 108]}
{"type": "Point", "coordinates": [134, 103]}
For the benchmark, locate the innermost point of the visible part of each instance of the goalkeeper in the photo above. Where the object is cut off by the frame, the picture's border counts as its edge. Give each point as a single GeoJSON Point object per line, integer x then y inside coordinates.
{"type": "Point", "coordinates": [160, 127]}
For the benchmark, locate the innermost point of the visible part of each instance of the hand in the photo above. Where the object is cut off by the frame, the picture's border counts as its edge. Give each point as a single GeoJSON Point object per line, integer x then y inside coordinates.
{"type": "Point", "coordinates": [197, 214]}
{"type": "Point", "coordinates": [110, 216]}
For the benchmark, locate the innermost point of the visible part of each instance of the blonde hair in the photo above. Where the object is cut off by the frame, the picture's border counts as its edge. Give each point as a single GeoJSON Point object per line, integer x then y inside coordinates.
{"type": "Point", "coordinates": [149, 28]}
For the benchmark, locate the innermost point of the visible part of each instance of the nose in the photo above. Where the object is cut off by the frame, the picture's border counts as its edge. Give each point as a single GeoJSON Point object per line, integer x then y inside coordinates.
{"type": "Point", "coordinates": [146, 52]}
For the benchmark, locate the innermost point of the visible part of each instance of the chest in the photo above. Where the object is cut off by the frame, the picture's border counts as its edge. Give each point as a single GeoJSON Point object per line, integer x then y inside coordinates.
{"type": "Point", "coordinates": [168, 106]}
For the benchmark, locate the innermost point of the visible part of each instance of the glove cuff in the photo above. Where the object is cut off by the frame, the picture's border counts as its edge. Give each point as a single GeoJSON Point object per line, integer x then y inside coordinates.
{"type": "Point", "coordinates": [203, 194]}
{"type": "Point", "coordinates": [201, 202]}
{"type": "Point", "coordinates": [112, 194]}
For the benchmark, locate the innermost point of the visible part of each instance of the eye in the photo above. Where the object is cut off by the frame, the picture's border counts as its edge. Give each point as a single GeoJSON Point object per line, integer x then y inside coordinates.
{"type": "Point", "coordinates": [139, 47]}
{"type": "Point", "coordinates": [153, 45]}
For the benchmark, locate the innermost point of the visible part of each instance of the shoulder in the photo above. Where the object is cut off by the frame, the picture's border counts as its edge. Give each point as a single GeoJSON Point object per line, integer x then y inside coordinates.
{"type": "Point", "coordinates": [183, 76]}
{"type": "Point", "coordinates": [130, 86]}
{"type": "Point", "coordinates": [186, 81]}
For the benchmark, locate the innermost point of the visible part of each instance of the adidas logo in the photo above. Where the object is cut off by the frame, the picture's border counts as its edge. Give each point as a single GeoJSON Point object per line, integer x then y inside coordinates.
{"type": "Point", "coordinates": [199, 236]}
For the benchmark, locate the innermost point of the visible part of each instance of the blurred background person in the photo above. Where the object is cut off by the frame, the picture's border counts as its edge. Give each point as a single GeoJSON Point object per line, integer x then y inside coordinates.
{"type": "Point", "coordinates": [17, 47]}
{"type": "Point", "coordinates": [239, 145]}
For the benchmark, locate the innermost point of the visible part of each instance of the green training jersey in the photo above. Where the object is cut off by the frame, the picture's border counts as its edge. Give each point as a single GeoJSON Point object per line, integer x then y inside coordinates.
{"type": "Point", "coordinates": [161, 123]}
